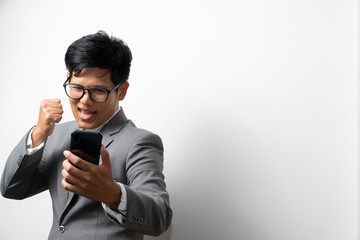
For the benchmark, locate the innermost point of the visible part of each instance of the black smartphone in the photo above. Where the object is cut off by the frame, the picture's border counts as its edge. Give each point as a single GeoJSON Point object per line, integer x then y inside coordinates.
{"type": "Point", "coordinates": [86, 145]}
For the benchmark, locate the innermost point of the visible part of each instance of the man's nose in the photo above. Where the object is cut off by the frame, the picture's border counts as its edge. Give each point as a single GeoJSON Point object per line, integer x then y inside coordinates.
{"type": "Point", "coordinates": [86, 98]}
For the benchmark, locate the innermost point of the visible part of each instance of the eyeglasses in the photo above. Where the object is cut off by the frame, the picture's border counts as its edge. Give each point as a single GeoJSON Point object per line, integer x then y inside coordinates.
{"type": "Point", "coordinates": [97, 94]}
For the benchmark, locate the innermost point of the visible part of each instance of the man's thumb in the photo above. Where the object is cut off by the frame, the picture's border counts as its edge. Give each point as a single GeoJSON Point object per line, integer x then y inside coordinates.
{"type": "Point", "coordinates": [105, 157]}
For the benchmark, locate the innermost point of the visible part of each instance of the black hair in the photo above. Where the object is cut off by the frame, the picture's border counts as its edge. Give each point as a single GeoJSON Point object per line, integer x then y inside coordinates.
{"type": "Point", "coordinates": [102, 51]}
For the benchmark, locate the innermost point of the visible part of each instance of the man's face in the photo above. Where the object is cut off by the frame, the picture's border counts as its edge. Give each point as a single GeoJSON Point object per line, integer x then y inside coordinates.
{"type": "Point", "coordinates": [89, 114]}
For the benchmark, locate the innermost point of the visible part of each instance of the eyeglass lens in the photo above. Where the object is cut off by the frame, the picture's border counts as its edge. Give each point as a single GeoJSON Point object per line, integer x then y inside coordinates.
{"type": "Point", "coordinates": [96, 94]}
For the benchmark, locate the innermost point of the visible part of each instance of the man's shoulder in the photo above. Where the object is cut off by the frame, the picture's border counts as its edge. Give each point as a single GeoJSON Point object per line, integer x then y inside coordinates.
{"type": "Point", "coordinates": [131, 131]}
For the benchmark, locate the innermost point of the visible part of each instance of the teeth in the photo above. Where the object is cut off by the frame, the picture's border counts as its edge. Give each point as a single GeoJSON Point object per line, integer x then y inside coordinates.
{"type": "Point", "coordinates": [84, 114]}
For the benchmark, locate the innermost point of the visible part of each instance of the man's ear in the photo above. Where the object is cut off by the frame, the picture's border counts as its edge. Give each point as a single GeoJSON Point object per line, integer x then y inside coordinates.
{"type": "Point", "coordinates": [122, 90]}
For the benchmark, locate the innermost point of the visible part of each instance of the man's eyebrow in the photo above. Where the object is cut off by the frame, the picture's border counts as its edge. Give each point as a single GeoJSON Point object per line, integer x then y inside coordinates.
{"type": "Point", "coordinates": [99, 86]}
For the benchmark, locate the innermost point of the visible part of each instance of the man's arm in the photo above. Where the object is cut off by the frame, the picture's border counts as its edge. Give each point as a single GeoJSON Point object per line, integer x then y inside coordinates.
{"type": "Point", "coordinates": [18, 179]}
{"type": "Point", "coordinates": [148, 208]}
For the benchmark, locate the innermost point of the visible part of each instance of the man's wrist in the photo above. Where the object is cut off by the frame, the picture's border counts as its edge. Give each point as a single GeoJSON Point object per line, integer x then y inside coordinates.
{"type": "Point", "coordinates": [114, 204]}
{"type": "Point", "coordinates": [120, 213]}
{"type": "Point", "coordinates": [36, 137]}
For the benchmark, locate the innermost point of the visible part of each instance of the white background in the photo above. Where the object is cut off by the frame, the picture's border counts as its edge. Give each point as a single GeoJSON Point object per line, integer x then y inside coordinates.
{"type": "Point", "coordinates": [256, 102]}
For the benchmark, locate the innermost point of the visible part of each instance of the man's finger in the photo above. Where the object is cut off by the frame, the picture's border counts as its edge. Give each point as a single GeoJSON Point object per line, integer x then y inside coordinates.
{"type": "Point", "coordinates": [55, 100]}
{"type": "Point", "coordinates": [105, 157]}
{"type": "Point", "coordinates": [77, 161]}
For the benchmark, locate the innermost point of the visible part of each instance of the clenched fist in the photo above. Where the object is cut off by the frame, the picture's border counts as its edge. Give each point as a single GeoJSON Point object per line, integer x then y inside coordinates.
{"type": "Point", "coordinates": [50, 113]}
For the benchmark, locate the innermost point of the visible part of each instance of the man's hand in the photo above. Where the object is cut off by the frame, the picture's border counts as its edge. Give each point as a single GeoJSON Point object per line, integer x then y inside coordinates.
{"type": "Point", "coordinates": [91, 181]}
{"type": "Point", "coordinates": [50, 113]}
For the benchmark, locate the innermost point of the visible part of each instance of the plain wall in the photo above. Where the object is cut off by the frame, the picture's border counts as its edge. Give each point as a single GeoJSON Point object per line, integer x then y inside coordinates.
{"type": "Point", "coordinates": [256, 102]}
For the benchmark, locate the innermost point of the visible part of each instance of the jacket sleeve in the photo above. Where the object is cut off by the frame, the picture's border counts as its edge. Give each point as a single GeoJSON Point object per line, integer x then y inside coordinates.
{"type": "Point", "coordinates": [23, 175]}
{"type": "Point", "coordinates": [148, 207]}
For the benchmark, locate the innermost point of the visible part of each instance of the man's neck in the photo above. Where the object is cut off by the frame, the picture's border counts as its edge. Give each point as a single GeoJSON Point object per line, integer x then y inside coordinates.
{"type": "Point", "coordinates": [102, 125]}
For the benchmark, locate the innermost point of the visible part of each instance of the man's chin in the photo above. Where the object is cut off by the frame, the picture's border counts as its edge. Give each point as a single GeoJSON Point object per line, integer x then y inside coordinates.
{"type": "Point", "coordinates": [86, 125]}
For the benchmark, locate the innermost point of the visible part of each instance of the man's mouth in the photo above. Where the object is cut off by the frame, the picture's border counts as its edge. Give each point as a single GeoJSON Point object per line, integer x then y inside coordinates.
{"type": "Point", "coordinates": [85, 114]}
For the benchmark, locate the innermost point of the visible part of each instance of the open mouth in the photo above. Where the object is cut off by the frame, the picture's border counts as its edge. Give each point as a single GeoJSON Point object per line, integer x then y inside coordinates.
{"type": "Point", "coordinates": [86, 115]}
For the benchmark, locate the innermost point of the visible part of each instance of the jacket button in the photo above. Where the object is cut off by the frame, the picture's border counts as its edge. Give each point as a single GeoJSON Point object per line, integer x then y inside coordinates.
{"type": "Point", "coordinates": [61, 229]}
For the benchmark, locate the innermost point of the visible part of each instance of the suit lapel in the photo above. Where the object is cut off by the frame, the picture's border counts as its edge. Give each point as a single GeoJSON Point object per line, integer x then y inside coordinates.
{"type": "Point", "coordinates": [65, 196]}
{"type": "Point", "coordinates": [112, 127]}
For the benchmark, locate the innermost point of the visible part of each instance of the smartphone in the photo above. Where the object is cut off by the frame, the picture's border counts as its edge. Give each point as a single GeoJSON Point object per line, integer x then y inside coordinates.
{"type": "Point", "coordinates": [86, 145]}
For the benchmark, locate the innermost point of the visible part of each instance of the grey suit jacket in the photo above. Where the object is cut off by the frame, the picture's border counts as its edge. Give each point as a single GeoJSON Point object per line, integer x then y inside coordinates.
{"type": "Point", "coordinates": [137, 162]}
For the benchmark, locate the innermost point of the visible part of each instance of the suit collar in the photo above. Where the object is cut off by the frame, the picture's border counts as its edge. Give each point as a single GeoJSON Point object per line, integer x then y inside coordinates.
{"type": "Point", "coordinates": [113, 126]}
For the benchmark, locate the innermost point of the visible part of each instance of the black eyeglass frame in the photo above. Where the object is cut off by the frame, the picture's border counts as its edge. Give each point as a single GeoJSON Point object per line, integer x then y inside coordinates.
{"type": "Point", "coordinates": [67, 83]}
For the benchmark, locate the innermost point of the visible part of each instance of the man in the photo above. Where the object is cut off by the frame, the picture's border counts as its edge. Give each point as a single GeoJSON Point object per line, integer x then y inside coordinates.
{"type": "Point", "coordinates": [124, 197]}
